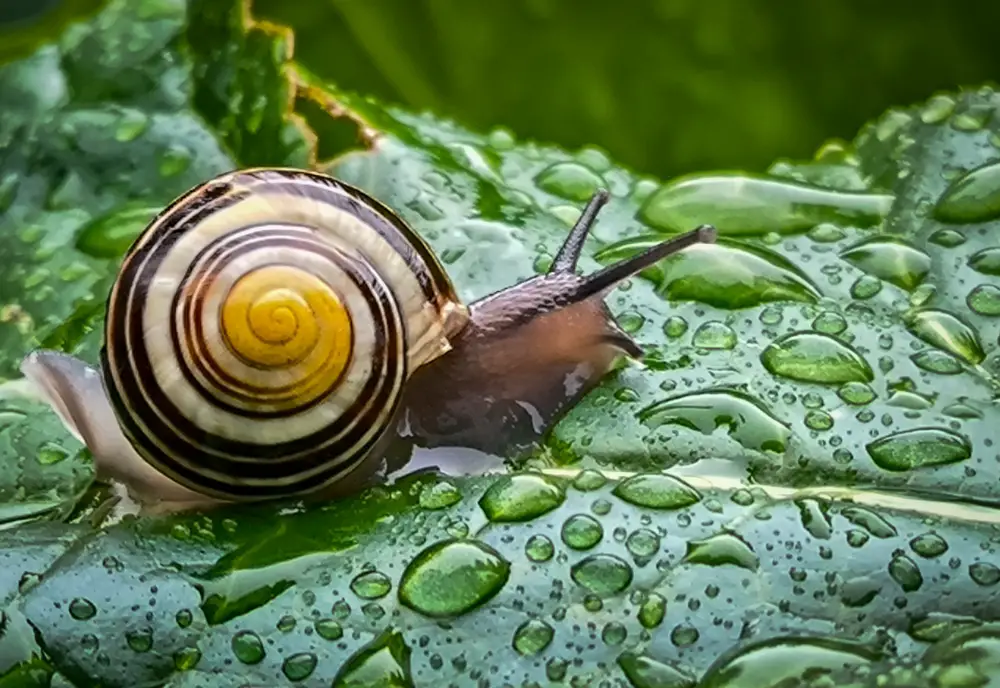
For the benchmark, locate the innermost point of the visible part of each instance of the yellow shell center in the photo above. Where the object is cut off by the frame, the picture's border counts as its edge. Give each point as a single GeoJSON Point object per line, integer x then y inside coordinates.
{"type": "Point", "coordinates": [285, 317]}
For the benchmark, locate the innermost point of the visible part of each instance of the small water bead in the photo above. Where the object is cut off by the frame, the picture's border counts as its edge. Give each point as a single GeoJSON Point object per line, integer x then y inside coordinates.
{"type": "Point", "coordinates": [865, 287]}
{"type": "Point", "coordinates": [682, 636]}
{"type": "Point", "coordinates": [555, 669]}
{"type": "Point", "coordinates": [82, 609]}
{"type": "Point", "coordinates": [300, 666]}
{"type": "Point", "coordinates": [626, 395]}
{"type": "Point", "coordinates": [656, 491]}
{"type": "Point", "coordinates": [371, 585]}
{"type": "Point", "coordinates": [184, 618]}
{"type": "Point", "coordinates": [439, 495]}
{"type": "Point", "coordinates": [614, 633]}
{"type": "Point", "coordinates": [984, 299]}
{"type": "Point", "coordinates": [539, 548]}
{"type": "Point", "coordinates": [328, 629]}
{"type": "Point", "coordinates": [588, 480]}
{"type": "Point", "coordinates": [521, 497]}
{"type": "Point", "coordinates": [714, 335]}
{"type": "Point", "coordinates": [986, 262]}
{"type": "Point", "coordinates": [601, 507]}
{"type": "Point", "coordinates": [532, 637]}
{"type": "Point", "coordinates": [602, 574]}
{"type": "Point", "coordinates": [592, 603]}
{"type": "Point", "coordinates": [929, 545]}
{"type": "Point", "coordinates": [984, 573]}
{"type": "Point", "coordinates": [856, 393]}
{"type": "Point", "coordinates": [937, 362]}
{"type": "Point", "coordinates": [643, 543]}
{"type": "Point", "coordinates": [286, 623]}
{"type": "Point", "coordinates": [947, 238]}
{"type": "Point", "coordinates": [569, 180]}
{"type": "Point", "coordinates": [187, 658]}
{"type": "Point", "coordinates": [772, 315]}
{"type": "Point", "coordinates": [630, 321]}
{"type": "Point", "coordinates": [826, 233]}
{"type": "Point", "coordinates": [829, 322]}
{"type": "Point", "coordinates": [819, 421]}
{"type": "Point", "coordinates": [385, 661]}
{"type": "Point", "coordinates": [675, 326]}
{"type": "Point", "coordinates": [905, 572]}
{"type": "Point", "coordinates": [581, 531]}
{"type": "Point", "coordinates": [652, 611]}
{"type": "Point", "coordinates": [139, 640]}
{"type": "Point", "coordinates": [972, 197]}
{"type": "Point", "coordinates": [247, 647]}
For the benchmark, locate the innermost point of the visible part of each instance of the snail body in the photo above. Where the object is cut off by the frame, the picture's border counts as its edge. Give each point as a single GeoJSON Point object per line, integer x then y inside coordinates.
{"type": "Point", "coordinates": [273, 330]}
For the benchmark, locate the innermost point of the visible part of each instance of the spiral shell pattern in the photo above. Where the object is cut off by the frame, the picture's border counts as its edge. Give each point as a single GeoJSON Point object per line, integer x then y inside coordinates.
{"type": "Point", "coordinates": [262, 328]}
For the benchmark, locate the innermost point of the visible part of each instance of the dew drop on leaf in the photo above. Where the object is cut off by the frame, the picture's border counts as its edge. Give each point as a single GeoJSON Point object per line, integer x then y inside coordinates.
{"type": "Point", "coordinates": [937, 362]}
{"type": "Point", "coordinates": [569, 180]}
{"type": "Point", "coordinates": [865, 287]}
{"type": "Point", "coordinates": [815, 517]}
{"type": "Point", "coordinates": [645, 672]}
{"type": "Point", "coordinates": [532, 637]}
{"type": "Point", "coordinates": [856, 393]}
{"type": "Point", "coordinates": [721, 550]}
{"type": "Point", "coordinates": [675, 326]}
{"type": "Point", "coordinates": [581, 531]}
{"type": "Point", "coordinates": [439, 495]}
{"type": "Point", "coordinates": [829, 322]}
{"type": "Point", "coordinates": [986, 262]}
{"type": "Point", "coordinates": [110, 236]}
{"type": "Point", "coordinates": [248, 647]}
{"type": "Point", "coordinates": [588, 480]}
{"type": "Point", "coordinates": [371, 585]}
{"type": "Point", "coordinates": [921, 447]}
{"type": "Point", "coordinates": [642, 544]}
{"type": "Point", "coordinates": [300, 666]}
{"type": "Point", "coordinates": [652, 610]}
{"type": "Point", "coordinates": [984, 299]}
{"type": "Point", "coordinates": [815, 357]}
{"type": "Point", "coordinates": [656, 491]}
{"type": "Point", "coordinates": [602, 574]}
{"type": "Point", "coordinates": [870, 521]}
{"type": "Point", "coordinates": [139, 640]}
{"type": "Point", "coordinates": [905, 571]}
{"type": "Point", "coordinates": [890, 259]}
{"type": "Point", "coordinates": [929, 545]}
{"type": "Point", "coordinates": [328, 629]}
{"type": "Point", "coordinates": [937, 109]}
{"type": "Point", "coordinates": [451, 577]}
{"type": "Point", "coordinates": [187, 658]}
{"type": "Point", "coordinates": [384, 662]}
{"type": "Point", "coordinates": [521, 497]}
{"type": "Point", "coordinates": [984, 573]}
{"type": "Point", "coordinates": [738, 204]}
{"type": "Point", "coordinates": [973, 197]}
{"type": "Point", "coordinates": [947, 332]}
{"type": "Point", "coordinates": [82, 609]}
{"type": "Point", "coordinates": [539, 548]}
{"type": "Point", "coordinates": [714, 335]}
{"type": "Point", "coordinates": [614, 633]}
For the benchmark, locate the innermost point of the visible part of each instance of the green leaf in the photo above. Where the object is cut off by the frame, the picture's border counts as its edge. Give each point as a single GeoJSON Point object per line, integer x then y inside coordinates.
{"type": "Point", "coordinates": [838, 346]}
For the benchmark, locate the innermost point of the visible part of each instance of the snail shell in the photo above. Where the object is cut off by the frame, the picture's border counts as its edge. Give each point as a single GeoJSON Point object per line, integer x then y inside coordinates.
{"type": "Point", "coordinates": [272, 330]}
{"type": "Point", "coordinates": [261, 330]}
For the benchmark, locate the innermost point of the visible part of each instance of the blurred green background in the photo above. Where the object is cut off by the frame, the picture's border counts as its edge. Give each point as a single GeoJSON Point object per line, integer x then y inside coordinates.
{"type": "Point", "coordinates": [665, 86]}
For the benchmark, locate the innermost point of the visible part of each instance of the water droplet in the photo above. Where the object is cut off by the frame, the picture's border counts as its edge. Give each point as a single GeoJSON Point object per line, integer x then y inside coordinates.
{"type": "Point", "coordinates": [744, 204]}
{"type": "Point", "coordinates": [815, 357]}
{"type": "Point", "coordinates": [110, 236]}
{"type": "Point", "coordinates": [642, 544]}
{"type": "Point", "coordinates": [714, 335]}
{"type": "Point", "coordinates": [865, 287]}
{"type": "Point", "coordinates": [829, 322]}
{"type": "Point", "coordinates": [539, 548]}
{"type": "Point", "coordinates": [645, 672]}
{"type": "Point", "coordinates": [187, 658]}
{"type": "Point", "coordinates": [929, 545]}
{"type": "Point", "coordinates": [856, 393]}
{"type": "Point", "coordinates": [452, 577]}
{"type": "Point", "coordinates": [986, 261]}
{"type": "Point", "coordinates": [51, 453]}
{"type": "Point", "coordinates": [890, 259]}
{"type": "Point", "coordinates": [581, 531]}
{"type": "Point", "coordinates": [973, 197]}
{"type": "Point", "coordinates": [184, 618]}
{"type": "Point", "coordinates": [383, 662]}
{"type": "Point", "coordinates": [248, 647]}
{"type": "Point", "coordinates": [131, 125]}
{"type": "Point", "coordinates": [371, 585]}
{"type": "Point", "coordinates": [683, 636]}
{"type": "Point", "coordinates": [532, 637]}
{"type": "Point", "coordinates": [652, 610]}
{"type": "Point", "coordinates": [826, 233]}
{"type": "Point", "coordinates": [870, 521]}
{"type": "Point", "coordinates": [630, 321]}
{"type": "Point", "coordinates": [937, 109]}
{"type": "Point", "coordinates": [984, 299]}
{"type": "Point", "coordinates": [918, 448]}
{"type": "Point", "coordinates": [328, 629]}
{"type": "Point", "coordinates": [947, 332]}
{"type": "Point", "coordinates": [948, 238]}
{"type": "Point", "coordinates": [614, 633]}
{"type": "Point", "coordinates": [521, 497]}
{"type": "Point", "coordinates": [82, 609]}
{"type": "Point", "coordinates": [787, 661]}
{"type": "Point", "coordinates": [569, 180]}
{"type": "Point", "coordinates": [819, 421]}
{"type": "Point", "coordinates": [722, 549]}
{"type": "Point", "coordinates": [439, 495]}
{"type": "Point", "coordinates": [286, 623]}
{"type": "Point", "coordinates": [904, 571]}
{"type": "Point", "coordinates": [815, 517]}
{"type": "Point", "coordinates": [139, 640]}
{"type": "Point", "coordinates": [675, 326]}
{"type": "Point", "coordinates": [174, 161]}
{"type": "Point", "coordinates": [656, 491]}
{"type": "Point", "coordinates": [748, 421]}
{"type": "Point", "coordinates": [555, 669]}
{"type": "Point", "coordinates": [299, 667]}
{"type": "Point", "coordinates": [588, 480]}
{"type": "Point", "coordinates": [984, 573]}
{"type": "Point", "coordinates": [937, 362]}
{"type": "Point", "coordinates": [602, 574]}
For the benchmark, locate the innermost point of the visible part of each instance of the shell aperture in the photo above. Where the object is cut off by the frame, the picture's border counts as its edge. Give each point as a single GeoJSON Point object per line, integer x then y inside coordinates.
{"type": "Point", "coordinates": [261, 330]}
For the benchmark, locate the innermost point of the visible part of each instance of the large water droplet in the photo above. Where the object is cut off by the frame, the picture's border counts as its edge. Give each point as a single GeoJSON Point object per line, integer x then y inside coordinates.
{"type": "Point", "coordinates": [947, 332]}
{"type": "Point", "coordinates": [383, 662]}
{"type": "Point", "coordinates": [521, 497]}
{"type": "Point", "coordinates": [451, 577]}
{"type": "Point", "coordinates": [569, 180]}
{"type": "Point", "coordinates": [248, 647]}
{"type": "Point", "coordinates": [984, 573]}
{"type": "Point", "coordinates": [110, 236]}
{"type": "Point", "coordinates": [581, 531]}
{"type": "Point", "coordinates": [938, 362]}
{"type": "Point", "coordinates": [905, 571]}
{"type": "Point", "coordinates": [725, 275]}
{"type": "Point", "coordinates": [602, 574]}
{"type": "Point", "coordinates": [748, 421]}
{"type": "Point", "coordinates": [645, 672]}
{"type": "Point", "coordinates": [788, 660]}
{"type": "Point", "coordinates": [745, 204]}
{"type": "Point", "coordinates": [532, 637]}
{"type": "Point", "coordinates": [986, 261]}
{"type": "Point", "coordinates": [929, 545]}
{"type": "Point", "coordinates": [300, 666]}
{"type": "Point", "coordinates": [919, 448]}
{"type": "Point", "coordinates": [815, 357]}
{"type": "Point", "coordinates": [984, 299]}
{"type": "Point", "coordinates": [722, 549]}
{"type": "Point", "coordinates": [656, 491]}
{"type": "Point", "coordinates": [973, 197]}
{"type": "Point", "coordinates": [890, 259]}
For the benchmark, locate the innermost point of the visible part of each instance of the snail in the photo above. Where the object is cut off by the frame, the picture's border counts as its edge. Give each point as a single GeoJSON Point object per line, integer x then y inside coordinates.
{"type": "Point", "coordinates": [272, 330]}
